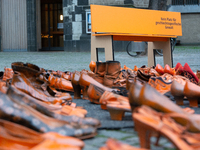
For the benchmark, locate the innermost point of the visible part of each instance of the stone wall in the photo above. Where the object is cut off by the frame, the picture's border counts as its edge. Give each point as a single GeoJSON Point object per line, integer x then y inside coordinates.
{"type": "Point", "coordinates": [141, 3]}
{"type": "Point", "coordinates": [31, 26]}
{"type": "Point", "coordinates": [111, 2]}
{"type": "Point", "coordinates": [74, 12]}
{"type": "Point", "coordinates": [190, 29]}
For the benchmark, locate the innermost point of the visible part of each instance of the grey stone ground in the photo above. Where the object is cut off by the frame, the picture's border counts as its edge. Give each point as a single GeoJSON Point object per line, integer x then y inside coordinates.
{"type": "Point", "coordinates": [69, 61]}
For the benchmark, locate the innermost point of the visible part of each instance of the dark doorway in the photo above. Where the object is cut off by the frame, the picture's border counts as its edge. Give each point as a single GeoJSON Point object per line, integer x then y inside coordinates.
{"type": "Point", "coordinates": [52, 25]}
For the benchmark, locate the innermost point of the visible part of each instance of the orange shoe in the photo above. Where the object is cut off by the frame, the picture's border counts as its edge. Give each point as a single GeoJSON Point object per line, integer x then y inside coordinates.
{"type": "Point", "coordinates": [188, 73]}
{"type": "Point", "coordinates": [192, 92]}
{"type": "Point", "coordinates": [168, 69]}
{"type": "Point", "coordinates": [179, 69]}
{"type": "Point", "coordinates": [113, 144]}
{"type": "Point", "coordinates": [148, 121]}
{"type": "Point", "coordinates": [99, 71]}
{"type": "Point", "coordinates": [92, 66]}
{"type": "Point", "coordinates": [162, 83]}
{"type": "Point", "coordinates": [60, 83]}
{"type": "Point", "coordinates": [85, 80]}
{"type": "Point", "coordinates": [8, 74]}
{"type": "Point", "coordinates": [75, 83]}
{"type": "Point", "coordinates": [159, 69]}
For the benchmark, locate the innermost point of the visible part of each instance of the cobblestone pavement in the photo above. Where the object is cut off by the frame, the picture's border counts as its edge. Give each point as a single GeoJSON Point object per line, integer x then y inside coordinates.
{"type": "Point", "coordinates": [71, 61]}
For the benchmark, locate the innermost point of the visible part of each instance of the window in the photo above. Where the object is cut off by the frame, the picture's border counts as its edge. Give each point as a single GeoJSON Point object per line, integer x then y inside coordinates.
{"type": "Point", "coordinates": [88, 22]}
{"type": "Point", "coordinates": [185, 2]}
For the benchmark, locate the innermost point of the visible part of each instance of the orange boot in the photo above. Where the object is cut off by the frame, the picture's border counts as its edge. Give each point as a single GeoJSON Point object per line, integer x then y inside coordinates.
{"type": "Point", "coordinates": [99, 72]}
{"type": "Point", "coordinates": [113, 75]}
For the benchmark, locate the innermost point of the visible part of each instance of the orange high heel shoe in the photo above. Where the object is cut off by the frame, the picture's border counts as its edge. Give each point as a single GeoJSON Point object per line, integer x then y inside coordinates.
{"type": "Point", "coordinates": [70, 111]}
{"type": "Point", "coordinates": [38, 121]}
{"type": "Point", "coordinates": [159, 69]}
{"type": "Point", "coordinates": [23, 84]}
{"type": "Point", "coordinates": [192, 92]}
{"type": "Point", "coordinates": [161, 83]}
{"type": "Point", "coordinates": [117, 110]}
{"type": "Point", "coordinates": [95, 92]}
{"type": "Point", "coordinates": [26, 138]}
{"type": "Point", "coordinates": [177, 91]}
{"type": "Point", "coordinates": [152, 98]}
{"type": "Point", "coordinates": [178, 69]}
{"type": "Point", "coordinates": [116, 104]}
{"type": "Point", "coordinates": [168, 69]}
{"type": "Point", "coordinates": [134, 93]}
{"type": "Point", "coordinates": [188, 73]}
{"type": "Point", "coordinates": [85, 80]}
{"type": "Point", "coordinates": [76, 85]}
{"type": "Point", "coordinates": [60, 83]}
{"type": "Point", "coordinates": [62, 113]}
{"type": "Point", "coordinates": [148, 122]}
{"type": "Point", "coordinates": [66, 75]}
{"type": "Point", "coordinates": [186, 89]}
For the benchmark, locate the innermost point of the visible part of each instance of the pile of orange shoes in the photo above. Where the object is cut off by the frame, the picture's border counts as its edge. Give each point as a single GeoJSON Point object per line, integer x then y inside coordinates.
{"type": "Point", "coordinates": [108, 84]}
{"type": "Point", "coordinates": [40, 100]}
{"type": "Point", "coordinates": [37, 103]}
{"type": "Point", "coordinates": [153, 113]}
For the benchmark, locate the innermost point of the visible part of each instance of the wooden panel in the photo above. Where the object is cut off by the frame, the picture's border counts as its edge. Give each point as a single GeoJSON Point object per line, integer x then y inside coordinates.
{"type": "Point", "coordinates": [132, 37]}
{"type": "Point", "coordinates": [135, 21]}
{"type": "Point", "coordinates": [14, 25]}
{"type": "Point", "coordinates": [139, 38]}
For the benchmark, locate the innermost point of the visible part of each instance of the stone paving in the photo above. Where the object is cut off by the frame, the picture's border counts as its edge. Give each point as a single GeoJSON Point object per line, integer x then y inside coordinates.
{"type": "Point", "coordinates": [71, 61]}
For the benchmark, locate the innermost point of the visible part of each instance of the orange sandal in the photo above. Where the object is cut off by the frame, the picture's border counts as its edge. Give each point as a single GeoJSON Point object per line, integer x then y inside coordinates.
{"type": "Point", "coordinates": [148, 123]}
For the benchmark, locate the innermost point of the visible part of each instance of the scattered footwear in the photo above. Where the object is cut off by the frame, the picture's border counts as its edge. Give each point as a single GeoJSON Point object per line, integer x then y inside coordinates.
{"type": "Point", "coordinates": [38, 99]}
{"type": "Point", "coordinates": [54, 111]}
{"type": "Point", "coordinates": [188, 73]}
{"type": "Point", "coordinates": [31, 118]}
{"type": "Point", "coordinates": [116, 104]}
{"type": "Point", "coordinates": [26, 138]}
{"type": "Point", "coordinates": [148, 123]}
{"type": "Point", "coordinates": [99, 72]}
{"type": "Point", "coordinates": [112, 144]}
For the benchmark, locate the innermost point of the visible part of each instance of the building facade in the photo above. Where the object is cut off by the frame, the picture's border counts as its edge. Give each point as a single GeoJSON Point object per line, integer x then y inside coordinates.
{"type": "Point", "coordinates": [190, 17]}
{"type": "Point", "coordinates": [55, 25]}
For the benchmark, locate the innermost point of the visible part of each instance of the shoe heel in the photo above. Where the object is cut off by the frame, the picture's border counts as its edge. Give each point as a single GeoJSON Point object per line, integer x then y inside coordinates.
{"type": "Point", "coordinates": [179, 100]}
{"type": "Point", "coordinates": [85, 95]}
{"type": "Point", "coordinates": [193, 102]}
{"type": "Point", "coordinates": [143, 133]}
{"type": "Point", "coordinates": [116, 114]}
{"type": "Point", "coordinates": [77, 91]}
{"type": "Point", "coordinates": [103, 106]}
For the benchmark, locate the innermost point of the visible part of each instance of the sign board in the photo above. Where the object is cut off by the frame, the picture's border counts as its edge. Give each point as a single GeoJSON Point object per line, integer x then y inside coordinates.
{"type": "Point", "coordinates": [135, 21]}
